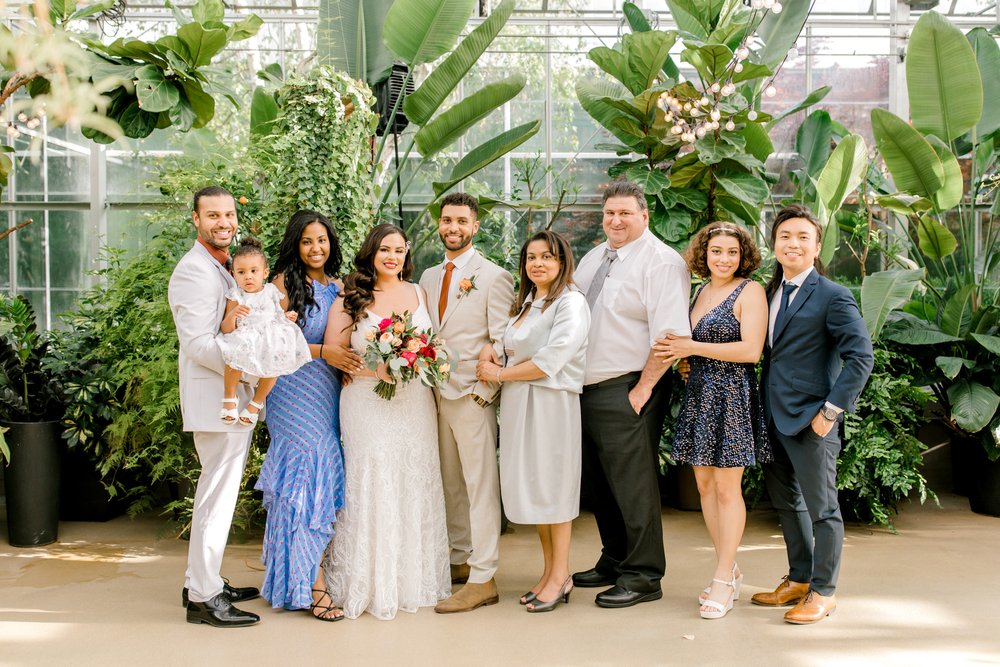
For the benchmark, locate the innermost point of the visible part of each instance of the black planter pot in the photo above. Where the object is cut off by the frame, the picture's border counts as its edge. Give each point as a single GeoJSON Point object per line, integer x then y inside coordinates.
{"type": "Point", "coordinates": [31, 482]}
{"type": "Point", "coordinates": [682, 488]}
{"type": "Point", "coordinates": [82, 496]}
{"type": "Point", "coordinates": [984, 486]}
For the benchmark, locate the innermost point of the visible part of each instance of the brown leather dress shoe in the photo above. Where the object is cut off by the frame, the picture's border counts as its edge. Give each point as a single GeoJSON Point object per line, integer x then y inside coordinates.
{"type": "Point", "coordinates": [812, 608]}
{"type": "Point", "coordinates": [460, 573]}
{"type": "Point", "coordinates": [788, 592]}
{"type": "Point", "coordinates": [469, 597]}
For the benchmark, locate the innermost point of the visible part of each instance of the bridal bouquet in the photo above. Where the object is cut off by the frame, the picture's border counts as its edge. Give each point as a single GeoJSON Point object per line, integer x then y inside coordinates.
{"type": "Point", "coordinates": [407, 353]}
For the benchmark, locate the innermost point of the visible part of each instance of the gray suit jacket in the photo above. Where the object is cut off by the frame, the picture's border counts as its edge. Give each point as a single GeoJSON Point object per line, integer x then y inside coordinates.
{"type": "Point", "coordinates": [197, 297]}
{"type": "Point", "coordinates": [470, 322]}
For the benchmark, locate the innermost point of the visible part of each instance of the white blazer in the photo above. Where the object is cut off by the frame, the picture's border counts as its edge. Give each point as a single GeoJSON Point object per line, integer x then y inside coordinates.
{"type": "Point", "coordinates": [470, 322]}
{"type": "Point", "coordinates": [197, 297]}
{"type": "Point", "coordinates": [555, 339]}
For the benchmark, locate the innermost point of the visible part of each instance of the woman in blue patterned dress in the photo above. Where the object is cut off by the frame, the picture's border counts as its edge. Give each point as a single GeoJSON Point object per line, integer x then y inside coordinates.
{"type": "Point", "coordinates": [720, 428]}
{"type": "Point", "coordinates": [303, 473]}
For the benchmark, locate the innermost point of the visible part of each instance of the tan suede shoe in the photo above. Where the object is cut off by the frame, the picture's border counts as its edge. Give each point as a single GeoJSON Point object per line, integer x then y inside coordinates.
{"type": "Point", "coordinates": [469, 597]}
{"type": "Point", "coordinates": [812, 608]}
{"type": "Point", "coordinates": [460, 573]}
{"type": "Point", "coordinates": [788, 592]}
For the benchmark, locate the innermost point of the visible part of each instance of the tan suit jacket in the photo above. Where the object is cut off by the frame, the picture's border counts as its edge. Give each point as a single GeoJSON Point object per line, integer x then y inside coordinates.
{"type": "Point", "coordinates": [470, 322]}
{"type": "Point", "coordinates": [197, 297]}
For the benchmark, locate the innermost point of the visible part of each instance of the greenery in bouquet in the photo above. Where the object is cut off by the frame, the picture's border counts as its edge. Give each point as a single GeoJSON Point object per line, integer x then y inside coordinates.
{"type": "Point", "coordinates": [405, 353]}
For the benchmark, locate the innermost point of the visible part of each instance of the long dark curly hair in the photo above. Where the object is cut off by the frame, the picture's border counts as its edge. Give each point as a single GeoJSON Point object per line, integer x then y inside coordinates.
{"type": "Point", "coordinates": [290, 265]}
{"type": "Point", "coordinates": [359, 285]}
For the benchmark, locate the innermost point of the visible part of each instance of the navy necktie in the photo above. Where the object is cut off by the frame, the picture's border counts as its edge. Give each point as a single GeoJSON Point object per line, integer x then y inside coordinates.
{"type": "Point", "coordinates": [786, 291]}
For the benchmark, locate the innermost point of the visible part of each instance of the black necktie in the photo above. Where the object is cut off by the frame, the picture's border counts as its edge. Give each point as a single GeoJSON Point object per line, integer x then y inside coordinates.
{"type": "Point", "coordinates": [786, 291]}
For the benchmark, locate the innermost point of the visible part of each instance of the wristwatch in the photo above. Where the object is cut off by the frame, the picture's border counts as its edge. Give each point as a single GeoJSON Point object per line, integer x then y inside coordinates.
{"type": "Point", "coordinates": [828, 414]}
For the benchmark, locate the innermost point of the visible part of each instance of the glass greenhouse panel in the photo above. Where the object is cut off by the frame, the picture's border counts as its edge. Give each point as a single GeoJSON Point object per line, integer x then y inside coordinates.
{"type": "Point", "coordinates": [28, 255]}
{"type": "Point", "coordinates": [73, 249]}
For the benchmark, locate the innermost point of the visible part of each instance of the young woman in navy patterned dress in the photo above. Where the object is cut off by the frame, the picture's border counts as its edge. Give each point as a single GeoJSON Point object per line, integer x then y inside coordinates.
{"type": "Point", "coordinates": [720, 429]}
{"type": "Point", "coordinates": [303, 472]}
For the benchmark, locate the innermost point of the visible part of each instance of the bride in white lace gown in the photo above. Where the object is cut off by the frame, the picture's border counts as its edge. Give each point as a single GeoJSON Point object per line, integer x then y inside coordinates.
{"type": "Point", "coordinates": [390, 551]}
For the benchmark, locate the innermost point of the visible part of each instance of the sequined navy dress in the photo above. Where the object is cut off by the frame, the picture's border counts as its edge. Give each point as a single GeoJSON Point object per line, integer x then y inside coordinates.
{"type": "Point", "coordinates": [721, 423]}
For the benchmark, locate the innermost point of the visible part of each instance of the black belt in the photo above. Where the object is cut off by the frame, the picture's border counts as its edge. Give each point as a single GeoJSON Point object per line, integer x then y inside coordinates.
{"type": "Point", "coordinates": [611, 382]}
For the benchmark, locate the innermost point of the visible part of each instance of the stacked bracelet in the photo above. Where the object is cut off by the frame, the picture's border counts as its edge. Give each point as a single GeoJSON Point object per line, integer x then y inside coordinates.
{"type": "Point", "coordinates": [499, 371]}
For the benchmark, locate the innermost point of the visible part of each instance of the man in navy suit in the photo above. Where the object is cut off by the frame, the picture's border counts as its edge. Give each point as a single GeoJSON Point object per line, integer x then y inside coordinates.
{"type": "Point", "coordinates": [816, 363]}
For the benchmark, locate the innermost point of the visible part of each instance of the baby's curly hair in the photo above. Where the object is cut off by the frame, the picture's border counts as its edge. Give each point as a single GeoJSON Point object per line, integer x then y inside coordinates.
{"type": "Point", "coordinates": [697, 251]}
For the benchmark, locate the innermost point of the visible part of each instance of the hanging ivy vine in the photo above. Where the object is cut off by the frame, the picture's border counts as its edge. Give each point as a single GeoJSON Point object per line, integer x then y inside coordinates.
{"type": "Point", "coordinates": [310, 156]}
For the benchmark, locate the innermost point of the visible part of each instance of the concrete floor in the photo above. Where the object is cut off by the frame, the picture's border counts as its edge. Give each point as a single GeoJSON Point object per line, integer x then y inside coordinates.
{"type": "Point", "coordinates": [108, 594]}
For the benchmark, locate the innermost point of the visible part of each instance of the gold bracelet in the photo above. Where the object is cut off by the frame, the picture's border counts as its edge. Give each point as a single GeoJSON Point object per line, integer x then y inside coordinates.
{"type": "Point", "coordinates": [321, 350]}
{"type": "Point", "coordinates": [499, 371]}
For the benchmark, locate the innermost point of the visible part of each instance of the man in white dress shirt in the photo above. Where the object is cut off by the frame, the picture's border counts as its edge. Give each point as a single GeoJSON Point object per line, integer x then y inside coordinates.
{"type": "Point", "coordinates": [197, 297]}
{"type": "Point", "coordinates": [638, 289]}
{"type": "Point", "coordinates": [470, 299]}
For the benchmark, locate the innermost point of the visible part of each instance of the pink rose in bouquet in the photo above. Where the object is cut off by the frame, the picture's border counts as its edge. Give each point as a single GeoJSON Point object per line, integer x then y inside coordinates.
{"type": "Point", "coordinates": [406, 353]}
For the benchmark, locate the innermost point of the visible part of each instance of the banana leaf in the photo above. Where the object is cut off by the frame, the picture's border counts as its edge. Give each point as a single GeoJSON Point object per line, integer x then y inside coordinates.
{"type": "Point", "coordinates": [884, 292]}
{"type": "Point", "coordinates": [445, 77]}
{"type": "Point", "coordinates": [946, 93]}
{"type": "Point", "coordinates": [349, 38]}
{"type": "Point", "coordinates": [914, 165]}
{"type": "Point", "coordinates": [486, 153]}
{"type": "Point", "coordinates": [446, 128]}
{"type": "Point", "coordinates": [421, 31]}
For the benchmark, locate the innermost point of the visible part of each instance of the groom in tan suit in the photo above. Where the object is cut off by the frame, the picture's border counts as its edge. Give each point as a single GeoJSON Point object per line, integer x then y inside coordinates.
{"type": "Point", "coordinates": [470, 299]}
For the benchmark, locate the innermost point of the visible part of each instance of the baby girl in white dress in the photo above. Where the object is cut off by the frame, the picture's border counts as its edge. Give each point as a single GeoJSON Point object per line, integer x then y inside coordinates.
{"type": "Point", "coordinates": [259, 338]}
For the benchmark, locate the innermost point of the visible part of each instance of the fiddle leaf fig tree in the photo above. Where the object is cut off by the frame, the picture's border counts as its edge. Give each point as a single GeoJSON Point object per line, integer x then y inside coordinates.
{"type": "Point", "coordinates": [693, 135]}
{"type": "Point", "coordinates": [950, 228]}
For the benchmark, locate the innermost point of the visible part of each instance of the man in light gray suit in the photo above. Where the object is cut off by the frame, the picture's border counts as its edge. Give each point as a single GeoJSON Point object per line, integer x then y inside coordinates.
{"type": "Point", "coordinates": [197, 297]}
{"type": "Point", "coordinates": [470, 299]}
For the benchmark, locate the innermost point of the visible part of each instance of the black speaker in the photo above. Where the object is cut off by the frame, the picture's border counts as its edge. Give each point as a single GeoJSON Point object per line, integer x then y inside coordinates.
{"type": "Point", "coordinates": [386, 94]}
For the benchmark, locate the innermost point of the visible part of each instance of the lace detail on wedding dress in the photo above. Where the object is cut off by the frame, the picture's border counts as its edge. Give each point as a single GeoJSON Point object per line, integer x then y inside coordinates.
{"type": "Point", "coordinates": [390, 551]}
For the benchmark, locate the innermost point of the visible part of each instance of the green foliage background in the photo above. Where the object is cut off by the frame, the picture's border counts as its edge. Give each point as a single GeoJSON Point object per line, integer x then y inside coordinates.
{"type": "Point", "coordinates": [119, 352]}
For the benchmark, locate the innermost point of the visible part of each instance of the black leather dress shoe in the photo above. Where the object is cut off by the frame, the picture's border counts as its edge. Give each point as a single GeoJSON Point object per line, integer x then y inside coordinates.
{"type": "Point", "coordinates": [219, 612]}
{"type": "Point", "coordinates": [617, 597]}
{"type": "Point", "coordinates": [594, 578]}
{"type": "Point", "coordinates": [232, 592]}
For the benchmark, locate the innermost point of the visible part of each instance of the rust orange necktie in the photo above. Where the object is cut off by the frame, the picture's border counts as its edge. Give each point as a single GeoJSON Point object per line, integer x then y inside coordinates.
{"type": "Point", "coordinates": [445, 286]}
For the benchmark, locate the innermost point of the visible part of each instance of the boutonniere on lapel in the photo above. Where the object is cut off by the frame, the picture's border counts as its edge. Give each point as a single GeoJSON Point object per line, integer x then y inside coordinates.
{"type": "Point", "coordinates": [467, 285]}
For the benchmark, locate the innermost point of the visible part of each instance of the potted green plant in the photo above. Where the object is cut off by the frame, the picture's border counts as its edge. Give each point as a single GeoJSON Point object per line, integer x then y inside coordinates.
{"type": "Point", "coordinates": [949, 225]}
{"type": "Point", "coordinates": [30, 407]}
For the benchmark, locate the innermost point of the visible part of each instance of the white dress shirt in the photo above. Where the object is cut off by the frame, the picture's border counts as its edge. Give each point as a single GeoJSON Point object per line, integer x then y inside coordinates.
{"type": "Point", "coordinates": [645, 296]}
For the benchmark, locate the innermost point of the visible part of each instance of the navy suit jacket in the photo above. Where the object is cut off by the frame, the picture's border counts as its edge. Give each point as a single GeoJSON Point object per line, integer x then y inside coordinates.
{"type": "Point", "coordinates": [821, 352]}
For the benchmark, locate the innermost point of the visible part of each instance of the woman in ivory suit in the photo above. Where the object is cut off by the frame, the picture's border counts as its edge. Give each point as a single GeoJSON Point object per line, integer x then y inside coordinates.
{"type": "Point", "coordinates": [540, 458]}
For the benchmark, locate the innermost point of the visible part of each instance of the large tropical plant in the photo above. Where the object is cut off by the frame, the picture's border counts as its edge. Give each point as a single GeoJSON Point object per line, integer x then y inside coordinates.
{"type": "Point", "coordinates": [129, 87]}
{"type": "Point", "coordinates": [942, 298]}
{"type": "Point", "coordinates": [695, 138]}
{"type": "Point", "coordinates": [424, 35]}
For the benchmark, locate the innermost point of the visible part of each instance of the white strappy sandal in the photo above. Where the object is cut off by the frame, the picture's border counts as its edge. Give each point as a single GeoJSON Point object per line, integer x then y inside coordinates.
{"type": "Point", "coordinates": [230, 415]}
{"type": "Point", "coordinates": [718, 609]}
{"type": "Point", "coordinates": [736, 593]}
{"type": "Point", "coordinates": [248, 418]}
